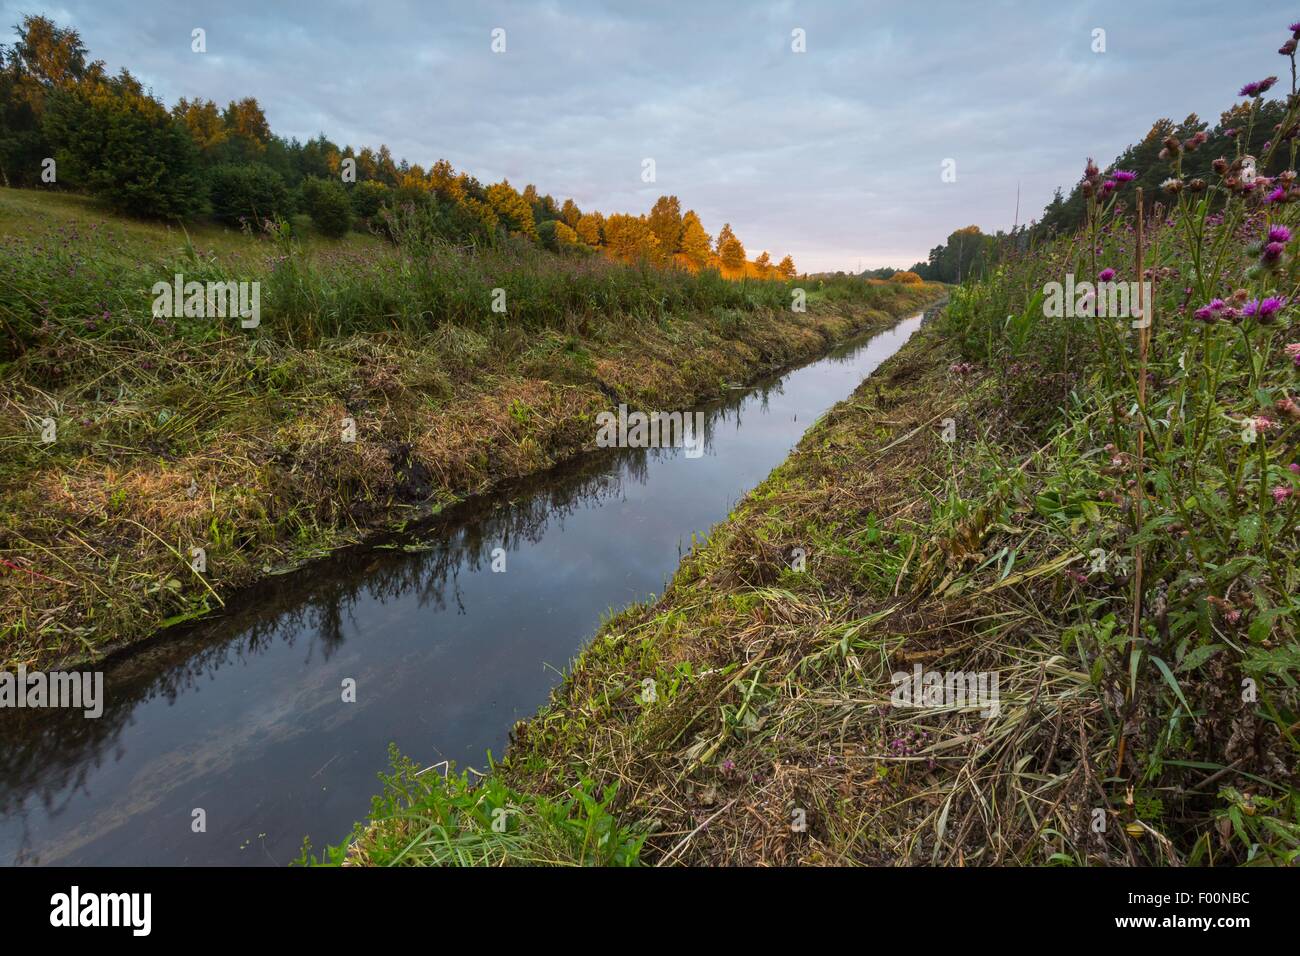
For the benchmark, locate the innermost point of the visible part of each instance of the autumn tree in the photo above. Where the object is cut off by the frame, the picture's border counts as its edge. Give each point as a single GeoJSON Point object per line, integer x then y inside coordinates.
{"type": "Point", "coordinates": [629, 238]}
{"type": "Point", "coordinates": [786, 268]}
{"type": "Point", "coordinates": [730, 251]}
{"type": "Point", "coordinates": [512, 209]}
{"type": "Point", "coordinates": [695, 244]}
{"type": "Point", "coordinates": [591, 228]}
{"type": "Point", "coordinates": [571, 214]}
{"type": "Point", "coordinates": [665, 221]}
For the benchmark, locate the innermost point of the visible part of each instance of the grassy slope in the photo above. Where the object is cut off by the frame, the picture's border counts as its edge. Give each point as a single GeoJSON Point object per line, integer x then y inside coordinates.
{"type": "Point", "coordinates": [231, 443]}
{"type": "Point", "coordinates": [772, 687]}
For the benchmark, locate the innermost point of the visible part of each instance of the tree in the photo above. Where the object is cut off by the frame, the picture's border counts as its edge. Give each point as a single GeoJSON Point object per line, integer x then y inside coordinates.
{"type": "Point", "coordinates": [512, 209]}
{"type": "Point", "coordinates": [764, 262]}
{"type": "Point", "coordinates": [206, 125]}
{"type": "Point", "coordinates": [629, 238]}
{"type": "Point", "coordinates": [785, 268]}
{"type": "Point", "coordinates": [122, 145]}
{"type": "Point", "coordinates": [45, 59]}
{"type": "Point", "coordinates": [730, 251]}
{"type": "Point", "coordinates": [665, 221]}
{"type": "Point", "coordinates": [591, 229]}
{"type": "Point", "coordinates": [695, 244]}
{"type": "Point", "coordinates": [571, 214]}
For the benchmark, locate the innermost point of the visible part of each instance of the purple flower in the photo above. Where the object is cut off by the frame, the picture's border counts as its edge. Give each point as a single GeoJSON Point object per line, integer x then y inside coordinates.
{"type": "Point", "coordinates": [1263, 309]}
{"type": "Point", "coordinates": [1258, 88]}
{"type": "Point", "coordinates": [1273, 251]}
{"type": "Point", "coordinates": [1123, 176]}
{"type": "Point", "coordinates": [1105, 275]}
{"type": "Point", "coordinates": [1279, 234]}
{"type": "Point", "coordinates": [1277, 195]}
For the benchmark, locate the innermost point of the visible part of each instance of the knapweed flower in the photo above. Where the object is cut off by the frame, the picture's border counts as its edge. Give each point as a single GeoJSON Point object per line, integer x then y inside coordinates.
{"type": "Point", "coordinates": [1258, 88]}
{"type": "Point", "coordinates": [1105, 275]}
{"type": "Point", "coordinates": [1280, 494]}
{"type": "Point", "coordinates": [1277, 195]}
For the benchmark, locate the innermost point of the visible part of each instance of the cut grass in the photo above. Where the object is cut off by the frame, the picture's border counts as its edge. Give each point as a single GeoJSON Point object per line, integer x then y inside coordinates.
{"type": "Point", "coordinates": [176, 436]}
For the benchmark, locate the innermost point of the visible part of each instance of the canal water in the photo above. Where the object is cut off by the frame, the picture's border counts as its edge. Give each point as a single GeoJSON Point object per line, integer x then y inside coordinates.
{"type": "Point", "coordinates": [243, 717]}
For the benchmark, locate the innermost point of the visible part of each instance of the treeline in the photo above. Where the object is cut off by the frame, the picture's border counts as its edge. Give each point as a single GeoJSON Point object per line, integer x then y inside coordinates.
{"type": "Point", "coordinates": [65, 122]}
{"type": "Point", "coordinates": [970, 252]}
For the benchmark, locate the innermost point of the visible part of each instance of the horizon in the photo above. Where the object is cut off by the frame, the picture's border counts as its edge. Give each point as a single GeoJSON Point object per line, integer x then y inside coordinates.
{"type": "Point", "coordinates": [534, 118]}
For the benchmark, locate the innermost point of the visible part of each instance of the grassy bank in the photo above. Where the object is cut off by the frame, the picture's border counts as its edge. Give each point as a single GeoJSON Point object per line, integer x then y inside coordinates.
{"type": "Point", "coordinates": [1101, 515]}
{"type": "Point", "coordinates": [175, 434]}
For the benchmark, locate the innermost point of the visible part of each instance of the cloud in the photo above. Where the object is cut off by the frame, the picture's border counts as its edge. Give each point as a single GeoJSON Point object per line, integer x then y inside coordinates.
{"type": "Point", "coordinates": [832, 155]}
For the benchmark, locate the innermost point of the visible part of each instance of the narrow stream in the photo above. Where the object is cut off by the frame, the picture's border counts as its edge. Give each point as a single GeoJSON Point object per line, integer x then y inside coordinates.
{"type": "Point", "coordinates": [243, 716]}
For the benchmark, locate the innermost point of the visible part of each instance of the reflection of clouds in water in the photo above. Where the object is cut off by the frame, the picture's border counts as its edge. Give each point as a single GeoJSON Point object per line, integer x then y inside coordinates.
{"type": "Point", "coordinates": [47, 757]}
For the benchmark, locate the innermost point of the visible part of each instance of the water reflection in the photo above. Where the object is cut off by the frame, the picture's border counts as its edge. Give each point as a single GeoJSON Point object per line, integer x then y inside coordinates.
{"type": "Point", "coordinates": [243, 716]}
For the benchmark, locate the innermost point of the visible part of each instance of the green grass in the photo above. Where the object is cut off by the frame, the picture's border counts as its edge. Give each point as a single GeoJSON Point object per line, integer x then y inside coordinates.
{"type": "Point", "coordinates": [180, 433]}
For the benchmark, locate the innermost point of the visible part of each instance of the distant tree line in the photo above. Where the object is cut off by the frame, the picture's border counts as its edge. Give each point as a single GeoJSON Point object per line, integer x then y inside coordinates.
{"type": "Point", "coordinates": [110, 137]}
{"type": "Point", "coordinates": [970, 252]}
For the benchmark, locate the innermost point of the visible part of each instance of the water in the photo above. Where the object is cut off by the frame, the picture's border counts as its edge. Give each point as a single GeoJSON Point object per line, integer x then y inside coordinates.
{"type": "Point", "coordinates": [243, 717]}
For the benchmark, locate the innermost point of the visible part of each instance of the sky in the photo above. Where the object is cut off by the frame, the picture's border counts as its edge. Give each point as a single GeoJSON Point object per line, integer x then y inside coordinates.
{"type": "Point", "coordinates": [834, 155]}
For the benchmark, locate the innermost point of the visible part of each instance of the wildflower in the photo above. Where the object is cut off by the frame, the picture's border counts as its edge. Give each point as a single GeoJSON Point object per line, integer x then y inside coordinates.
{"type": "Point", "coordinates": [1280, 494]}
{"type": "Point", "coordinates": [1279, 234]}
{"type": "Point", "coordinates": [1293, 468]}
{"type": "Point", "coordinates": [1258, 88]}
{"type": "Point", "coordinates": [1273, 252]}
{"type": "Point", "coordinates": [1277, 195]}
{"type": "Point", "coordinates": [1123, 176]}
{"type": "Point", "coordinates": [1268, 309]}
{"type": "Point", "coordinates": [1220, 165]}
{"type": "Point", "coordinates": [1197, 185]}
{"type": "Point", "coordinates": [1287, 48]}
{"type": "Point", "coordinates": [1172, 186]}
{"type": "Point", "coordinates": [1295, 30]}
{"type": "Point", "coordinates": [1105, 275]}
{"type": "Point", "coordinates": [1293, 351]}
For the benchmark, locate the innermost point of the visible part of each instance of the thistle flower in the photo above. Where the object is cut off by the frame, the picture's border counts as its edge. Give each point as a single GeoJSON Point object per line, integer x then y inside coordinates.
{"type": "Point", "coordinates": [1123, 176]}
{"type": "Point", "coordinates": [1269, 308]}
{"type": "Point", "coordinates": [1287, 48]}
{"type": "Point", "coordinates": [1220, 166]}
{"type": "Point", "coordinates": [1279, 234]}
{"type": "Point", "coordinates": [1258, 88]}
{"type": "Point", "coordinates": [1273, 252]}
{"type": "Point", "coordinates": [1293, 352]}
{"type": "Point", "coordinates": [1105, 275]}
{"type": "Point", "coordinates": [1277, 195]}
{"type": "Point", "coordinates": [1280, 494]}
{"type": "Point", "coordinates": [1295, 30]}
{"type": "Point", "coordinates": [1172, 186]}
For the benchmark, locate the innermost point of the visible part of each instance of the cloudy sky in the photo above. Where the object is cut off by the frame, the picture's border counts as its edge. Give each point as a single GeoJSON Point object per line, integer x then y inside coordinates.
{"type": "Point", "coordinates": [833, 155]}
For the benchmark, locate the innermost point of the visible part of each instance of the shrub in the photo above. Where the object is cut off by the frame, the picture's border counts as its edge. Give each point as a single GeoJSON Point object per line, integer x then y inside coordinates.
{"type": "Point", "coordinates": [907, 278]}
{"type": "Point", "coordinates": [326, 200]}
{"type": "Point", "coordinates": [241, 191]}
{"type": "Point", "coordinates": [368, 197]}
